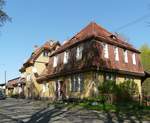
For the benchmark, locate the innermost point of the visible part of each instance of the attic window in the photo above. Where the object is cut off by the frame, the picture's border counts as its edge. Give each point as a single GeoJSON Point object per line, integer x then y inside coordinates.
{"type": "Point", "coordinates": [45, 53]}
{"type": "Point", "coordinates": [113, 37]}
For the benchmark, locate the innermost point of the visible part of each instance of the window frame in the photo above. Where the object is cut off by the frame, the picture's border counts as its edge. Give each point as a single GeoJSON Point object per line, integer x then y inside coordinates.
{"type": "Point", "coordinates": [77, 83]}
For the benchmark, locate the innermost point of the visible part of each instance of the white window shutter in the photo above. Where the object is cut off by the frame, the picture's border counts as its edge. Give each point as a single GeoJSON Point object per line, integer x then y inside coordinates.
{"type": "Point", "coordinates": [116, 53]}
{"type": "Point", "coordinates": [106, 55]}
{"type": "Point", "coordinates": [55, 61]}
{"type": "Point", "coordinates": [79, 52]}
{"type": "Point", "coordinates": [125, 56]}
{"type": "Point", "coordinates": [79, 83]}
{"type": "Point", "coordinates": [66, 56]}
{"type": "Point", "coordinates": [134, 59]}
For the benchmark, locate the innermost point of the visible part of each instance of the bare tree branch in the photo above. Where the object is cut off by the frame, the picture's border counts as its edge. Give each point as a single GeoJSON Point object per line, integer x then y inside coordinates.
{"type": "Point", "coordinates": [3, 15]}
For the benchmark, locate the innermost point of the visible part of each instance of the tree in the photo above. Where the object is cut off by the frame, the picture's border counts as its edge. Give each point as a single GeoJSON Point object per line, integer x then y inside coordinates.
{"type": "Point", "coordinates": [3, 15]}
{"type": "Point", "coordinates": [145, 57]}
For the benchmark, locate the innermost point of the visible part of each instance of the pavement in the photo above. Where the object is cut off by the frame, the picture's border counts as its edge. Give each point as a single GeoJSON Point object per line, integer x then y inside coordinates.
{"type": "Point", "coordinates": [30, 111]}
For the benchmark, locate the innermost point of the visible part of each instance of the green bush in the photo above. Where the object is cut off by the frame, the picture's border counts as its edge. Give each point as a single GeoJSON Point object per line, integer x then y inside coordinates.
{"type": "Point", "coordinates": [111, 92]}
{"type": "Point", "coordinates": [15, 95]}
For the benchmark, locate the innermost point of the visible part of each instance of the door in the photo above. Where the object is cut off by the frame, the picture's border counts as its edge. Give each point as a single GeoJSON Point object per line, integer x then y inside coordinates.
{"type": "Point", "coordinates": [60, 90]}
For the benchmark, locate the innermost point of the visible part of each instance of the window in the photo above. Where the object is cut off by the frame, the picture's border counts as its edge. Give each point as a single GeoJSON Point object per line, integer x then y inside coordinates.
{"type": "Point", "coordinates": [129, 78]}
{"type": "Point", "coordinates": [55, 61]}
{"type": "Point", "coordinates": [66, 57]}
{"type": "Point", "coordinates": [45, 53]}
{"type": "Point", "coordinates": [125, 56]}
{"type": "Point", "coordinates": [95, 76]}
{"type": "Point", "coordinates": [133, 59]}
{"type": "Point", "coordinates": [34, 69]}
{"type": "Point", "coordinates": [105, 49]}
{"type": "Point", "coordinates": [116, 53]}
{"type": "Point", "coordinates": [45, 87]}
{"type": "Point", "coordinates": [110, 77]}
{"type": "Point", "coordinates": [29, 77]}
{"type": "Point", "coordinates": [77, 83]}
{"type": "Point", "coordinates": [79, 52]}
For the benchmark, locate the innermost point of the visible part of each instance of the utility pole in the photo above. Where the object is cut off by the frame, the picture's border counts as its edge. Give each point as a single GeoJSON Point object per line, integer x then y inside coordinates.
{"type": "Point", "coordinates": [5, 78]}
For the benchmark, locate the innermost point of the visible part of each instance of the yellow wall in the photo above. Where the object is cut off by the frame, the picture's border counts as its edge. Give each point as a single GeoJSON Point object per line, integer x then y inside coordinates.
{"type": "Point", "coordinates": [33, 88]}
{"type": "Point", "coordinates": [137, 80]}
{"type": "Point", "coordinates": [90, 85]}
{"type": "Point", "coordinates": [90, 82]}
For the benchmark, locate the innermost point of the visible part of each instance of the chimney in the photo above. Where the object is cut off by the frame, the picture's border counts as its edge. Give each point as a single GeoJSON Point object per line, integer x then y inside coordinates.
{"type": "Point", "coordinates": [35, 47]}
{"type": "Point", "coordinates": [51, 42]}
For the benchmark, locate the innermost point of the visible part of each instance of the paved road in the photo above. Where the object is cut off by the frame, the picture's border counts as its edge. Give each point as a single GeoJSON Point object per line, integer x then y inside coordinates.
{"type": "Point", "coordinates": [26, 111]}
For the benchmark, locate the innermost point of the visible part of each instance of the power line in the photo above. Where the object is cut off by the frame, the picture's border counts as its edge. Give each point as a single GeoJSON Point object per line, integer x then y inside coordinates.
{"type": "Point", "coordinates": [132, 22]}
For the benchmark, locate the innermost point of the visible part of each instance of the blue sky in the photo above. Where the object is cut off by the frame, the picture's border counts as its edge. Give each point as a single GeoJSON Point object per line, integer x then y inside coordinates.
{"type": "Point", "coordinates": [36, 21]}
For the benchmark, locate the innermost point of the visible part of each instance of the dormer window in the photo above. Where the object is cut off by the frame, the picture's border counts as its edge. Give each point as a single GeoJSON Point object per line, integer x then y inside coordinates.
{"type": "Point", "coordinates": [113, 37]}
{"type": "Point", "coordinates": [55, 61]}
{"type": "Point", "coordinates": [125, 53]}
{"type": "Point", "coordinates": [79, 52]}
{"type": "Point", "coordinates": [105, 49]}
{"type": "Point", "coordinates": [66, 57]}
{"type": "Point", "coordinates": [45, 53]}
{"type": "Point", "coordinates": [116, 53]}
{"type": "Point", "coordinates": [133, 59]}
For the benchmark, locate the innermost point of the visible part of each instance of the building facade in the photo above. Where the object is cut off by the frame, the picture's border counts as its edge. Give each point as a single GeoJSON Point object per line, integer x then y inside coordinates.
{"type": "Point", "coordinates": [13, 88]}
{"type": "Point", "coordinates": [33, 67]}
{"type": "Point", "coordinates": [92, 56]}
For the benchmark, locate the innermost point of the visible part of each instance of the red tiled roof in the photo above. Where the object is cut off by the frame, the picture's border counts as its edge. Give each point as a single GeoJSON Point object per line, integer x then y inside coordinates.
{"type": "Point", "coordinates": [12, 82]}
{"type": "Point", "coordinates": [47, 46]}
{"type": "Point", "coordinates": [98, 32]}
{"type": "Point", "coordinates": [94, 31]}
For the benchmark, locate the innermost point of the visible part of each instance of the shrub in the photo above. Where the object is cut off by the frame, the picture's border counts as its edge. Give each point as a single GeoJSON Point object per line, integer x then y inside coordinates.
{"type": "Point", "coordinates": [112, 92]}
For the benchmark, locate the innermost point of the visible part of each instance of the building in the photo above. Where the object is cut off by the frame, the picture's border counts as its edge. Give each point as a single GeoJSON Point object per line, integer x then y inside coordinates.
{"type": "Point", "coordinates": [92, 56]}
{"type": "Point", "coordinates": [12, 87]}
{"type": "Point", "coordinates": [2, 87]}
{"type": "Point", "coordinates": [33, 67]}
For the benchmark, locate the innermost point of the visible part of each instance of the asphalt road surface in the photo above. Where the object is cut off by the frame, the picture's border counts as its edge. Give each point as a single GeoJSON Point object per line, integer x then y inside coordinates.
{"type": "Point", "coordinates": [28, 111]}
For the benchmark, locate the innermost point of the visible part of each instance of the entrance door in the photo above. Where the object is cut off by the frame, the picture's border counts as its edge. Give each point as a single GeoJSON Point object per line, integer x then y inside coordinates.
{"type": "Point", "coordinates": [60, 90]}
